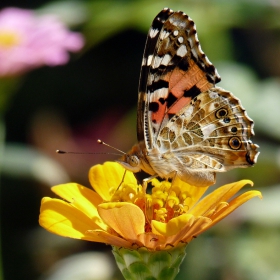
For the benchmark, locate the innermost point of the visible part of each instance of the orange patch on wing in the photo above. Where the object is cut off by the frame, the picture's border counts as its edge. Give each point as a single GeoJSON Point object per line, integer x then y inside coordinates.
{"type": "Point", "coordinates": [181, 103]}
{"type": "Point", "coordinates": [159, 114]}
{"type": "Point", "coordinates": [203, 85]}
{"type": "Point", "coordinates": [179, 80]}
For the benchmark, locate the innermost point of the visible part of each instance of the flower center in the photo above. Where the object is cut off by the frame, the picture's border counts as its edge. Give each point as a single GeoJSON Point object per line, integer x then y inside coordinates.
{"type": "Point", "coordinates": [8, 39]}
{"type": "Point", "coordinates": [167, 201]}
{"type": "Point", "coordinates": [164, 203]}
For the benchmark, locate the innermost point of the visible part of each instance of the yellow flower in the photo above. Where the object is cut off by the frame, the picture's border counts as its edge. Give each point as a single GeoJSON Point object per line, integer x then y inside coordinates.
{"type": "Point", "coordinates": [124, 216]}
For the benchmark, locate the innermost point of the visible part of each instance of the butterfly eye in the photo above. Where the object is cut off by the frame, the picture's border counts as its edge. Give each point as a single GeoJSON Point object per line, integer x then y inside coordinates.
{"type": "Point", "coordinates": [221, 113]}
{"type": "Point", "coordinates": [235, 143]}
{"type": "Point", "coordinates": [133, 161]}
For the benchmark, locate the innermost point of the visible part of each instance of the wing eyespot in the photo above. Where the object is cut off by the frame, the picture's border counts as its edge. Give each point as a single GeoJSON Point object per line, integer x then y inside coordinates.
{"type": "Point", "coordinates": [235, 143]}
{"type": "Point", "coordinates": [226, 120]}
{"type": "Point", "coordinates": [221, 113]}
{"type": "Point", "coordinates": [234, 129]}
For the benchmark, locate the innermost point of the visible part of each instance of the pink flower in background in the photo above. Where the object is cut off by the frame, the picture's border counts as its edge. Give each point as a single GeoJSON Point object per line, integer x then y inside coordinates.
{"type": "Point", "coordinates": [29, 41]}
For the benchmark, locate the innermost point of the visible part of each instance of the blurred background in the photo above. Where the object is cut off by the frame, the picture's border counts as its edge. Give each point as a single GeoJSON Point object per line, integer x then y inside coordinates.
{"type": "Point", "coordinates": [93, 95]}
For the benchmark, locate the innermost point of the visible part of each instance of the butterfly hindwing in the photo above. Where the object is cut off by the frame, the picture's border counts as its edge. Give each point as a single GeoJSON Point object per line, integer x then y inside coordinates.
{"type": "Point", "coordinates": [213, 132]}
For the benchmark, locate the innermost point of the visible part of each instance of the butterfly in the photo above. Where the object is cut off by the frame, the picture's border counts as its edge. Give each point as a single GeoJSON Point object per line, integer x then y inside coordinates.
{"type": "Point", "coordinates": [186, 126]}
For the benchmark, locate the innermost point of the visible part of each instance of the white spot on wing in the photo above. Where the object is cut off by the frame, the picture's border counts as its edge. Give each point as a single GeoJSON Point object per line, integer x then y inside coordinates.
{"type": "Point", "coordinates": [182, 51]}
{"type": "Point", "coordinates": [175, 32]}
{"type": "Point", "coordinates": [180, 39]}
{"type": "Point", "coordinates": [188, 112]}
{"type": "Point", "coordinates": [156, 62]}
{"type": "Point", "coordinates": [159, 93]}
{"type": "Point", "coordinates": [164, 34]}
{"type": "Point", "coordinates": [208, 129]}
{"type": "Point", "coordinates": [190, 42]}
{"type": "Point", "coordinates": [153, 32]}
{"type": "Point", "coordinates": [166, 59]}
{"type": "Point", "coordinates": [149, 61]}
{"type": "Point", "coordinates": [194, 53]}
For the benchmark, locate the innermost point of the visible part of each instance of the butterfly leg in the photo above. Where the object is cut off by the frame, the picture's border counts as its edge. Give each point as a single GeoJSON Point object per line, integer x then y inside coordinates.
{"type": "Point", "coordinates": [121, 180]}
{"type": "Point", "coordinates": [175, 172]}
{"type": "Point", "coordinates": [145, 185]}
{"type": "Point", "coordinates": [147, 180]}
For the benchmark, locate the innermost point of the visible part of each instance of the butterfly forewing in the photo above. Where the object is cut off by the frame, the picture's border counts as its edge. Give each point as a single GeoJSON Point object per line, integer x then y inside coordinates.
{"type": "Point", "coordinates": [174, 72]}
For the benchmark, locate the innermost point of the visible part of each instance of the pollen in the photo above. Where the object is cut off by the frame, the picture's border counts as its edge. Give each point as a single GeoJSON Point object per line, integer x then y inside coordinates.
{"type": "Point", "coordinates": [166, 201]}
{"type": "Point", "coordinates": [127, 193]}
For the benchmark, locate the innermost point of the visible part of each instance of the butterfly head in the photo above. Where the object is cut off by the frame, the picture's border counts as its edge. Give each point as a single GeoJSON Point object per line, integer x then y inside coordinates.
{"type": "Point", "coordinates": [131, 160]}
{"type": "Point", "coordinates": [135, 160]}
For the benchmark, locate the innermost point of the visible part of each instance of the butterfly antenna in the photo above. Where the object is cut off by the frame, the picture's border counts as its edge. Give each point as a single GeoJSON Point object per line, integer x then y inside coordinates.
{"type": "Point", "coordinates": [88, 153]}
{"type": "Point", "coordinates": [85, 153]}
{"type": "Point", "coordinates": [105, 144]}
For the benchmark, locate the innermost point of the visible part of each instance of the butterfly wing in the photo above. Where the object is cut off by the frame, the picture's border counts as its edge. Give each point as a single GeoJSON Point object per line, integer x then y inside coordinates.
{"type": "Point", "coordinates": [185, 125]}
{"type": "Point", "coordinates": [174, 71]}
{"type": "Point", "coordinates": [212, 133]}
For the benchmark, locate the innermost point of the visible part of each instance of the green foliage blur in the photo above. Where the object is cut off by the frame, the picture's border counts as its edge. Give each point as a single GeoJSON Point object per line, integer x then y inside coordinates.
{"type": "Point", "coordinates": [94, 96]}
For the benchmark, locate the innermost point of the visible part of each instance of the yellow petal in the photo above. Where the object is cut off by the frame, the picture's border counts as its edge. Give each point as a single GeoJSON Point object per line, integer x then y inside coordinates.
{"type": "Point", "coordinates": [190, 230]}
{"type": "Point", "coordinates": [108, 176]}
{"type": "Point", "coordinates": [61, 218]}
{"type": "Point", "coordinates": [173, 226]}
{"type": "Point", "coordinates": [125, 218]}
{"type": "Point", "coordinates": [111, 239]}
{"type": "Point", "coordinates": [221, 194]}
{"type": "Point", "coordinates": [151, 241]}
{"type": "Point", "coordinates": [84, 199]}
{"type": "Point", "coordinates": [235, 203]}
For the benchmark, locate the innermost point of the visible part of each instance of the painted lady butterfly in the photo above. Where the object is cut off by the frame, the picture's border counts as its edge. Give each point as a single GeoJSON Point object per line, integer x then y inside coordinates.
{"type": "Point", "coordinates": [185, 125]}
